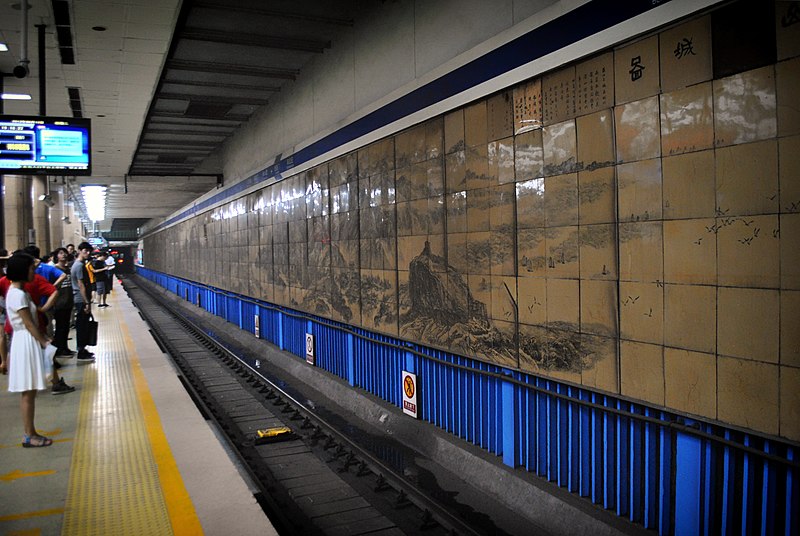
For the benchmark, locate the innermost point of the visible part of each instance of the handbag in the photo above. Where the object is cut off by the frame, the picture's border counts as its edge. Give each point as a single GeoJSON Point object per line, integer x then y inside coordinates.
{"type": "Point", "coordinates": [91, 331]}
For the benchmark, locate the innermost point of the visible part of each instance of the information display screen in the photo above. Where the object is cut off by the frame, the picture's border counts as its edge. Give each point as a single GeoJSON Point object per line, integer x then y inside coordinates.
{"type": "Point", "coordinates": [45, 145]}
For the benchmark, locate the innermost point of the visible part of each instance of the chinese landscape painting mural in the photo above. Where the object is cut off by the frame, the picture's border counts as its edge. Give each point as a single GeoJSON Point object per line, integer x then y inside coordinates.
{"type": "Point", "coordinates": [628, 222]}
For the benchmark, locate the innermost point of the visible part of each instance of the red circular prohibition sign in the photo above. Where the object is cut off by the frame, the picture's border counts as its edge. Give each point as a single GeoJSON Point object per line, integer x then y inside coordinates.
{"type": "Point", "coordinates": [408, 386]}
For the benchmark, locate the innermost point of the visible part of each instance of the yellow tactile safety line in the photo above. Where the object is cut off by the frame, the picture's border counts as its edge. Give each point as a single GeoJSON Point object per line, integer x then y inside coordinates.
{"type": "Point", "coordinates": [29, 515]}
{"type": "Point", "coordinates": [123, 479]}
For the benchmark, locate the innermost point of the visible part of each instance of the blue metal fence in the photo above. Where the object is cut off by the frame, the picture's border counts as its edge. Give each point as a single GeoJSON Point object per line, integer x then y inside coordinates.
{"type": "Point", "coordinates": [664, 471]}
{"type": "Point", "coordinates": [331, 345]}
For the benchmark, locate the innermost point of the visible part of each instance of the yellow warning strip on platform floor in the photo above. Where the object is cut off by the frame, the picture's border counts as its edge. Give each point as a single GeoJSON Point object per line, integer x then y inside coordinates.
{"type": "Point", "coordinates": [29, 515]}
{"type": "Point", "coordinates": [123, 478]}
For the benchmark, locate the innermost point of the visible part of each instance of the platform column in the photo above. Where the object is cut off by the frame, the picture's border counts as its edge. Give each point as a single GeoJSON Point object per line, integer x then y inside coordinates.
{"type": "Point", "coordinates": [41, 225]}
{"type": "Point", "coordinates": [17, 211]}
{"type": "Point", "coordinates": [56, 220]}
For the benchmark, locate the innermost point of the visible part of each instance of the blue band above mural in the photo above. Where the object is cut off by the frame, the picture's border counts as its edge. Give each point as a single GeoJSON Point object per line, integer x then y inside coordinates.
{"type": "Point", "coordinates": [580, 23]}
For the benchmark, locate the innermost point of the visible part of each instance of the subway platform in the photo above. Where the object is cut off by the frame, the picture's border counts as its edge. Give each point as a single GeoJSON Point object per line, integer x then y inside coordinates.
{"type": "Point", "coordinates": [131, 452]}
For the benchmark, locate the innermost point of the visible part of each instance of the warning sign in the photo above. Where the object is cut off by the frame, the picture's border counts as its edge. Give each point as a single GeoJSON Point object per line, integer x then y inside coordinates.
{"type": "Point", "coordinates": [408, 387]}
{"type": "Point", "coordinates": [310, 349]}
{"type": "Point", "coordinates": [410, 394]}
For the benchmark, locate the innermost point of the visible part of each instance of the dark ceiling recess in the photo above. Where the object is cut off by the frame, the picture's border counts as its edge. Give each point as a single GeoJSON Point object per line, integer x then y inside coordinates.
{"type": "Point", "coordinates": [75, 103]}
{"type": "Point", "coordinates": [266, 41]}
{"type": "Point", "coordinates": [229, 68]}
{"type": "Point", "coordinates": [125, 229]}
{"type": "Point", "coordinates": [209, 110]}
{"type": "Point", "coordinates": [171, 159]}
{"type": "Point", "coordinates": [64, 32]}
{"type": "Point", "coordinates": [226, 59]}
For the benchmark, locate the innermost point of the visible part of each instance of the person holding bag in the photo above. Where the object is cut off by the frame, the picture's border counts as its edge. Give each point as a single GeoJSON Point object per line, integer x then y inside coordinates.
{"type": "Point", "coordinates": [30, 367]}
{"type": "Point", "coordinates": [82, 296]}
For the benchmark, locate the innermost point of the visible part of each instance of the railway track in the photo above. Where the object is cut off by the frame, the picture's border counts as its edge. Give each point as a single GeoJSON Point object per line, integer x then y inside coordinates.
{"type": "Point", "coordinates": [312, 479]}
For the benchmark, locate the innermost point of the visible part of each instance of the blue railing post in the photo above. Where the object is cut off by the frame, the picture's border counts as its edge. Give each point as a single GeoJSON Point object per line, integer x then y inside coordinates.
{"type": "Point", "coordinates": [409, 363]}
{"type": "Point", "coordinates": [310, 329]}
{"type": "Point", "coordinates": [688, 471]}
{"type": "Point", "coordinates": [280, 330]}
{"type": "Point", "coordinates": [509, 412]}
{"type": "Point", "coordinates": [792, 522]}
{"type": "Point", "coordinates": [351, 359]}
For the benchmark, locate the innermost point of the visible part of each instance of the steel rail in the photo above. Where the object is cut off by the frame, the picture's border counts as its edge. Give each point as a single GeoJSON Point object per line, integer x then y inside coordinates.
{"type": "Point", "coordinates": [414, 494]}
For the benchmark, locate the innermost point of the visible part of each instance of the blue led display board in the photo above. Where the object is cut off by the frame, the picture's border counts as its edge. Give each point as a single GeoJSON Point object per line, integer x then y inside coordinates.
{"type": "Point", "coordinates": [45, 145]}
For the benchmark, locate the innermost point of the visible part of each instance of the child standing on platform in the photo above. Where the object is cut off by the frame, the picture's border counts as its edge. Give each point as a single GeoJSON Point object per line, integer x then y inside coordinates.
{"type": "Point", "coordinates": [28, 366]}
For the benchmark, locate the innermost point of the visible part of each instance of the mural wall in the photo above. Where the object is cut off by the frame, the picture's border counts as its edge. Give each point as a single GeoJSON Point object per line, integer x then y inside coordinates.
{"type": "Point", "coordinates": [628, 223]}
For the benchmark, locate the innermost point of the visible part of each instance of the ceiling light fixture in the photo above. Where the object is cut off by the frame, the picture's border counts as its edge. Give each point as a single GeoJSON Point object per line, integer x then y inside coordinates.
{"type": "Point", "coordinates": [94, 197]}
{"type": "Point", "coordinates": [3, 47]}
{"type": "Point", "coordinates": [15, 96]}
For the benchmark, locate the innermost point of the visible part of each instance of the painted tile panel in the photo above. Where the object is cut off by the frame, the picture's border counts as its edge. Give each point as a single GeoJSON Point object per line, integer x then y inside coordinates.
{"type": "Point", "coordinates": [685, 53]}
{"type": "Point", "coordinates": [636, 70]}
{"type": "Point", "coordinates": [625, 223]}
{"type": "Point", "coordinates": [745, 107]}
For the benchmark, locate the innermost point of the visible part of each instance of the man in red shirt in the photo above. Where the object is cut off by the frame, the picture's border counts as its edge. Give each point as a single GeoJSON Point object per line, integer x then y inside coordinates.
{"type": "Point", "coordinates": [38, 288]}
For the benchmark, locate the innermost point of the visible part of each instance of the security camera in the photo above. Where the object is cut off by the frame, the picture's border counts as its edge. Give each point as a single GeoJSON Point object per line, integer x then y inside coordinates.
{"type": "Point", "coordinates": [21, 70]}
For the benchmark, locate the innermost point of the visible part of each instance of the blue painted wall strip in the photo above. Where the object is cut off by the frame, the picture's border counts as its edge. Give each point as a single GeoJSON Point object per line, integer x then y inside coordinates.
{"type": "Point", "coordinates": [584, 21]}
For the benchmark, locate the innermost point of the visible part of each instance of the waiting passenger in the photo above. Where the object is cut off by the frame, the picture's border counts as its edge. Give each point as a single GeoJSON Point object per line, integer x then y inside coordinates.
{"type": "Point", "coordinates": [71, 251]}
{"type": "Point", "coordinates": [55, 277]}
{"type": "Point", "coordinates": [29, 367]}
{"type": "Point", "coordinates": [62, 310]}
{"type": "Point", "coordinates": [111, 263]}
{"type": "Point", "coordinates": [101, 278]}
{"type": "Point", "coordinates": [3, 342]}
{"type": "Point", "coordinates": [82, 296]}
{"type": "Point", "coordinates": [40, 291]}
{"type": "Point", "coordinates": [49, 272]}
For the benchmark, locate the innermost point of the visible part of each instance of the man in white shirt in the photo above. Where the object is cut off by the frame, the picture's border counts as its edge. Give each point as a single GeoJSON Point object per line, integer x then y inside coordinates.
{"type": "Point", "coordinates": [110, 265]}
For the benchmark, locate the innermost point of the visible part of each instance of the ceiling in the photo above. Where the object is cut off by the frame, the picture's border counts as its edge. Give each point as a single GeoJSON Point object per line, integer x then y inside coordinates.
{"type": "Point", "coordinates": [165, 82]}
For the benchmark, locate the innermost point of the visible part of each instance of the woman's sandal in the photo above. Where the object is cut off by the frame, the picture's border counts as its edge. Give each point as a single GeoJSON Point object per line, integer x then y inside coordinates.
{"type": "Point", "coordinates": [36, 441]}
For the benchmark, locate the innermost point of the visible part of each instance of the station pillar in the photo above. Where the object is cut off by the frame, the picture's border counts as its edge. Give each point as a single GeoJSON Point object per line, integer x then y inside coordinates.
{"type": "Point", "coordinates": [56, 220]}
{"type": "Point", "coordinates": [41, 209]}
{"type": "Point", "coordinates": [17, 212]}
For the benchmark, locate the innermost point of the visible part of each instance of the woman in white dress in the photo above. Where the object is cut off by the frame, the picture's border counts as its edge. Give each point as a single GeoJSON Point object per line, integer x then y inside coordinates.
{"type": "Point", "coordinates": [28, 367]}
{"type": "Point", "coordinates": [3, 345]}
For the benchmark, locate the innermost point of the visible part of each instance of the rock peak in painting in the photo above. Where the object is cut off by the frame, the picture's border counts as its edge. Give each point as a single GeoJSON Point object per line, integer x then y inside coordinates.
{"type": "Point", "coordinates": [438, 291]}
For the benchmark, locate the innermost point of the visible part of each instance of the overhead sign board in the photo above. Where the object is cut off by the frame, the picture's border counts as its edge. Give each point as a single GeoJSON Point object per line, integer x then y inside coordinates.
{"type": "Point", "coordinates": [97, 242]}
